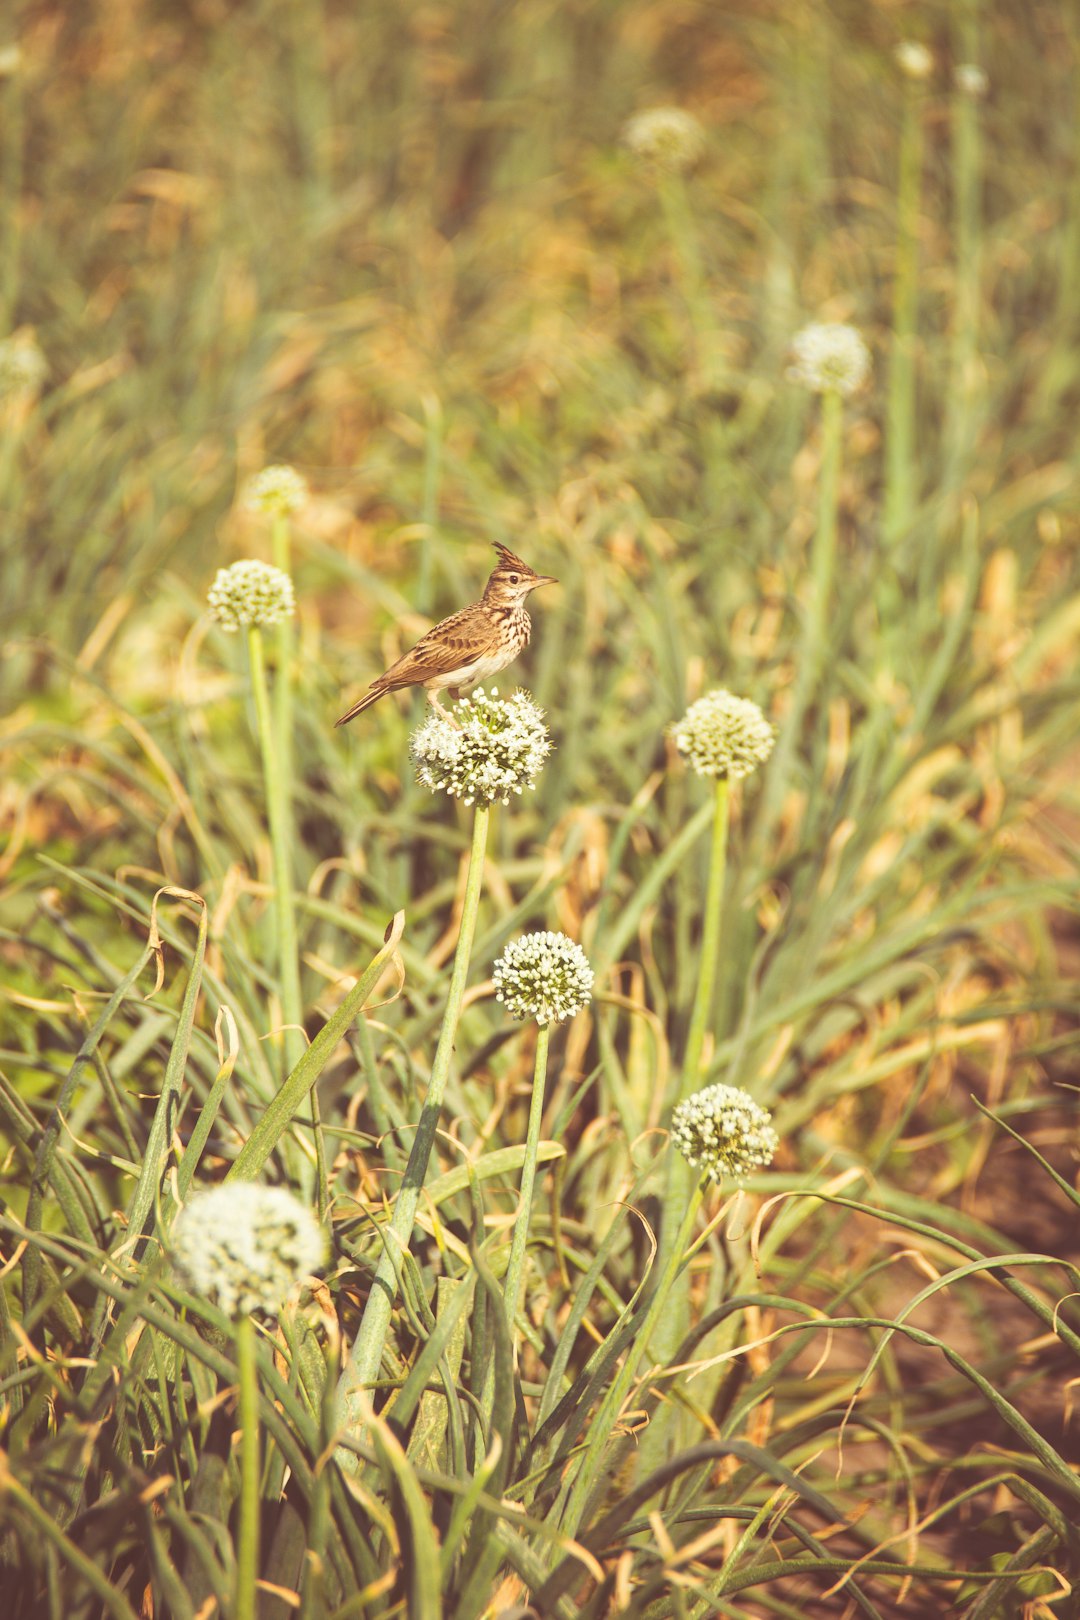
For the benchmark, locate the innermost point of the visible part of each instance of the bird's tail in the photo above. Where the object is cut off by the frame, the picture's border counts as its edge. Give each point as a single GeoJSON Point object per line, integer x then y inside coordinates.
{"type": "Point", "coordinates": [372, 695]}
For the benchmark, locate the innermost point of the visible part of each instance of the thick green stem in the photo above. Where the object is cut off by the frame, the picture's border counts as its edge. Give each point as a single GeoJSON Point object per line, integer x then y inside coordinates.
{"type": "Point", "coordinates": [247, 1540]}
{"type": "Point", "coordinates": [277, 810]}
{"type": "Point", "coordinates": [900, 492]}
{"type": "Point", "coordinates": [284, 723]}
{"type": "Point", "coordinates": [280, 538]}
{"type": "Point", "coordinates": [962, 402]}
{"type": "Point", "coordinates": [683, 231]}
{"type": "Point", "coordinates": [709, 960]}
{"type": "Point", "coordinates": [515, 1266]}
{"type": "Point", "coordinates": [365, 1358]}
{"type": "Point", "coordinates": [679, 1183]}
{"type": "Point", "coordinates": [600, 1430]}
{"type": "Point", "coordinates": [12, 143]}
{"type": "Point", "coordinates": [814, 647]}
{"type": "Point", "coordinates": [429, 510]}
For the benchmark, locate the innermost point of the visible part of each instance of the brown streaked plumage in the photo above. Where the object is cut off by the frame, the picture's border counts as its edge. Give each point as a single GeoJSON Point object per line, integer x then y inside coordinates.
{"type": "Point", "coordinates": [470, 645]}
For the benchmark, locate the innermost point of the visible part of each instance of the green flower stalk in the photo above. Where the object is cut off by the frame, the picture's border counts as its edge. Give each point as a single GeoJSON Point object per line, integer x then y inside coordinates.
{"type": "Point", "coordinates": [725, 738]}
{"type": "Point", "coordinates": [547, 977]}
{"type": "Point", "coordinates": [244, 1248]}
{"type": "Point", "coordinates": [724, 1132]}
{"type": "Point", "coordinates": [254, 596]}
{"type": "Point", "coordinates": [488, 751]}
{"type": "Point", "coordinates": [670, 142]}
{"type": "Point", "coordinates": [898, 507]}
{"type": "Point", "coordinates": [831, 360]}
{"type": "Point", "coordinates": [277, 492]}
{"type": "Point", "coordinates": [961, 426]}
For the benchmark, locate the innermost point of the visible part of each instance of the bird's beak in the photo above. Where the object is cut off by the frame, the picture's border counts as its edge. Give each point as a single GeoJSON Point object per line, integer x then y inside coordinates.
{"type": "Point", "coordinates": [543, 579]}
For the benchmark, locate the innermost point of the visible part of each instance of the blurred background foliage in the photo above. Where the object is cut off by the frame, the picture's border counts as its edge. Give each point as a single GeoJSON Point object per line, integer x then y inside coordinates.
{"type": "Point", "coordinates": [404, 248]}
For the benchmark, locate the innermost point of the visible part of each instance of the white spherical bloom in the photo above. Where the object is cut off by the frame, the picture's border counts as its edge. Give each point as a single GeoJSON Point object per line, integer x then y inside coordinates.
{"type": "Point", "coordinates": [243, 1247]}
{"type": "Point", "coordinates": [545, 976]}
{"type": "Point", "coordinates": [971, 81]}
{"type": "Point", "coordinates": [914, 59]}
{"type": "Point", "coordinates": [829, 355]}
{"type": "Point", "coordinates": [724, 1132]}
{"type": "Point", "coordinates": [670, 137]}
{"type": "Point", "coordinates": [250, 593]}
{"type": "Point", "coordinates": [724, 735]}
{"type": "Point", "coordinates": [275, 489]}
{"type": "Point", "coordinates": [496, 749]}
{"type": "Point", "coordinates": [23, 367]}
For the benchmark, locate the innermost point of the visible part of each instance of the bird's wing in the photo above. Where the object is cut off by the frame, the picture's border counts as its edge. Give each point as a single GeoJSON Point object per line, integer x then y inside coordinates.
{"type": "Point", "coordinates": [451, 644]}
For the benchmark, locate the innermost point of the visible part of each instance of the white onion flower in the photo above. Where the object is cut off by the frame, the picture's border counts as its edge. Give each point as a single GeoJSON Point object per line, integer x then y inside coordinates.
{"type": "Point", "coordinates": [914, 59]}
{"type": "Point", "coordinates": [970, 79]}
{"type": "Point", "coordinates": [722, 1131]}
{"type": "Point", "coordinates": [250, 593]}
{"type": "Point", "coordinates": [244, 1247]}
{"type": "Point", "coordinates": [829, 356]}
{"type": "Point", "coordinates": [23, 367]}
{"type": "Point", "coordinates": [670, 137]}
{"type": "Point", "coordinates": [496, 748]}
{"type": "Point", "coordinates": [545, 976]}
{"type": "Point", "coordinates": [724, 735]}
{"type": "Point", "coordinates": [278, 489]}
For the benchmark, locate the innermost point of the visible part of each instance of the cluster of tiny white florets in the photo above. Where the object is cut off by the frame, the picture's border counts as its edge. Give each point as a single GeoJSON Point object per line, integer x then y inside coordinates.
{"type": "Point", "coordinates": [23, 367]}
{"type": "Point", "coordinates": [829, 355]}
{"type": "Point", "coordinates": [971, 80]}
{"type": "Point", "coordinates": [275, 489]}
{"type": "Point", "coordinates": [496, 748]}
{"type": "Point", "coordinates": [724, 735]}
{"type": "Point", "coordinates": [250, 593]}
{"type": "Point", "coordinates": [545, 976]}
{"type": "Point", "coordinates": [243, 1247]}
{"type": "Point", "coordinates": [914, 59]}
{"type": "Point", "coordinates": [724, 1132]}
{"type": "Point", "coordinates": [670, 137]}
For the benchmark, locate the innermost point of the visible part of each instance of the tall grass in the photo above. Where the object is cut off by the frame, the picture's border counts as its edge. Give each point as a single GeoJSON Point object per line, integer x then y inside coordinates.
{"type": "Point", "coordinates": [406, 251]}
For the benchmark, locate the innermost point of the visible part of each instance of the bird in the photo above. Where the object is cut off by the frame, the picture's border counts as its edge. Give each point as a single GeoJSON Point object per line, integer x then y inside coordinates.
{"type": "Point", "coordinates": [471, 645]}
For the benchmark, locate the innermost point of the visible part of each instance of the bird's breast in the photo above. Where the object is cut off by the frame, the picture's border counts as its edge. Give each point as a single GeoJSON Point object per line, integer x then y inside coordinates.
{"type": "Point", "coordinates": [515, 627]}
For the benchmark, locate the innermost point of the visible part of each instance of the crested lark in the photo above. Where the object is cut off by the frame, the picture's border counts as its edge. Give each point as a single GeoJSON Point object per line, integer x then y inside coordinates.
{"type": "Point", "coordinates": [470, 645]}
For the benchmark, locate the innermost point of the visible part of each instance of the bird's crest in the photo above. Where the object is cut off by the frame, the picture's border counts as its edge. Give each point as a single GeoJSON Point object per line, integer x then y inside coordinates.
{"type": "Point", "coordinates": [509, 559]}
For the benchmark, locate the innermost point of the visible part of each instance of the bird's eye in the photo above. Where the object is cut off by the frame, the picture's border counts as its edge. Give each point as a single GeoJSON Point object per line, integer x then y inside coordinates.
{"type": "Point", "coordinates": [515, 579]}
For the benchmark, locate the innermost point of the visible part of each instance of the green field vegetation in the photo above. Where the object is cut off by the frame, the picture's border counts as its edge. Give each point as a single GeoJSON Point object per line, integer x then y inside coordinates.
{"type": "Point", "coordinates": [407, 250]}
